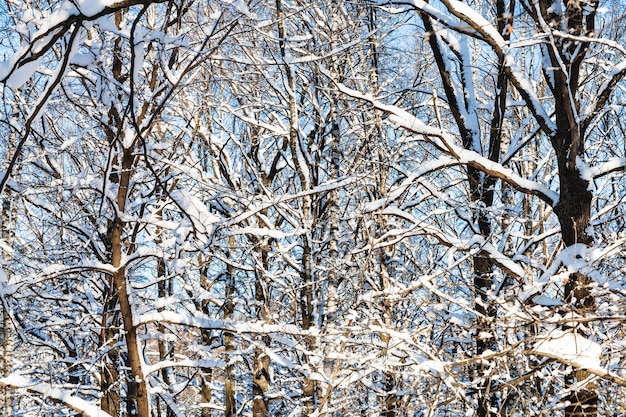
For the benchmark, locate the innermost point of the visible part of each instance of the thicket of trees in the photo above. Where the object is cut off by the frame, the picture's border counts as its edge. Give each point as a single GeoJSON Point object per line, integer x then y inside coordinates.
{"type": "Point", "coordinates": [312, 208]}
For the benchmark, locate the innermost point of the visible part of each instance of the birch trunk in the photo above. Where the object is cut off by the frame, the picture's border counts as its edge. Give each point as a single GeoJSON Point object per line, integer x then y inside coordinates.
{"type": "Point", "coordinates": [6, 328]}
{"type": "Point", "coordinates": [306, 271]}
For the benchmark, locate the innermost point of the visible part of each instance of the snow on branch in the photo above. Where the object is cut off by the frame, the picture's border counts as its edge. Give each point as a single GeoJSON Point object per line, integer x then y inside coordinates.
{"type": "Point", "coordinates": [24, 62]}
{"type": "Point", "coordinates": [477, 26]}
{"type": "Point", "coordinates": [65, 21]}
{"type": "Point", "coordinates": [423, 6]}
{"type": "Point", "coordinates": [184, 363]}
{"type": "Point", "coordinates": [501, 47]}
{"type": "Point", "coordinates": [476, 242]}
{"type": "Point", "coordinates": [257, 207]}
{"type": "Point", "coordinates": [239, 327]}
{"type": "Point", "coordinates": [575, 350]}
{"type": "Point", "coordinates": [608, 167]}
{"type": "Point", "coordinates": [488, 33]}
{"type": "Point", "coordinates": [63, 396]}
{"type": "Point", "coordinates": [444, 141]}
{"type": "Point", "coordinates": [614, 76]}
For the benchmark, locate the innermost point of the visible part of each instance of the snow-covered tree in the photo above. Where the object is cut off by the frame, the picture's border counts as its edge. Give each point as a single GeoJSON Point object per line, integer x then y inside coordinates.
{"type": "Point", "coordinates": [312, 208]}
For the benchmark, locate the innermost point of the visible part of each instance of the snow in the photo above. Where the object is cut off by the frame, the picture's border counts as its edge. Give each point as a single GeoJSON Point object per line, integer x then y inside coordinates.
{"type": "Point", "coordinates": [502, 48]}
{"type": "Point", "coordinates": [445, 141]}
{"type": "Point", "coordinates": [93, 7]}
{"type": "Point", "coordinates": [303, 166]}
{"type": "Point", "coordinates": [319, 189]}
{"type": "Point", "coordinates": [184, 363]}
{"type": "Point", "coordinates": [416, 203]}
{"type": "Point", "coordinates": [266, 232]}
{"type": "Point", "coordinates": [607, 167]}
{"type": "Point", "coordinates": [478, 22]}
{"type": "Point", "coordinates": [241, 7]}
{"type": "Point", "coordinates": [585, 172]}
{"type": "Point", "coordinates": [139, 52]}
{"type": "Point", "coordinates": [437, 14]}
{"type": "Point", "coordinates": [5, 287]}
{"type": "Point", "coordinates": [570, 348]}
{"type": "Point", "coordinates": [83, 407]}
{"type": "Point", "coordinates": [545, 301]}
{"type": "Point", "coordinates": [18, 78]}
{"type": "Point", "coordinates": [21, 66]}
{"type": "Point", "coordinates": [219, 324]}
{"type": "Point", "coordinates": [201, 218]}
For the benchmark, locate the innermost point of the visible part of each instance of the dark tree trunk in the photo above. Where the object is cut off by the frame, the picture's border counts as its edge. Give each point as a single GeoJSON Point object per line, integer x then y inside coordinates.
{"type": "Point", "coordinates": [481, 189]}
{"type": "Point", "coordinates": [574, 207]}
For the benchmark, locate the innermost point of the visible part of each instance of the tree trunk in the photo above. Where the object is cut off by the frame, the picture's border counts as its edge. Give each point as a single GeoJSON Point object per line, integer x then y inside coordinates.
{"type": "Point", "coordinates": [260, 374]}
{"type": "Point", "coordinates": [6, 328]}
{"type": "Point", "coordinates": [302, 170]}
{"type": "Point", "coordinates": [481, 188]}
{"type": "Point", "coordinates": [574, 207]}
{"type": "Point", "coordinates": [138, 401]}
{"type": "Point", "coordinates": [306, 316]}
{"type": "Point", "coordinates": [138, 404]}
{"type": "Point", "coordinates": [574, 212]}
{"type": "Point", "coordinates": [6, 359]}
{"type": "Point", "coordinates": [7, 233]}
{"type": "Point", "coordinates": [206, 374]}
{"type": "Point", "coordinates": [260, 384]}
{"type": "Point", "coordinates": [166, 349]}
{"type": "Point", "coordinates": [109, 371]}
{"type": "Point", "coordinates": [230, 384]}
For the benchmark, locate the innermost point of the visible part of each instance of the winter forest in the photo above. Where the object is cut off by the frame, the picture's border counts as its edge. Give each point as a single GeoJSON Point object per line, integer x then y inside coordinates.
{"type": "Point", "coordinates": [312, 208]}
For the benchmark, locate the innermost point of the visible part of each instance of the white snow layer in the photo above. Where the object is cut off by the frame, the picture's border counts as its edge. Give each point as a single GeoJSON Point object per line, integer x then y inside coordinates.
{"type": "Point", "coordinates": [571, 348]}
{"type": "Point", "coordinates": [16, 70]}
{"type": "Point", "coordinates": [83, 407]}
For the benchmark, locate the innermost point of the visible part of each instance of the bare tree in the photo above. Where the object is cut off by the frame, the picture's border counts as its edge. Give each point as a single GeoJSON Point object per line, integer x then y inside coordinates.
{"type": "Point", "coordinates": [313, 208]}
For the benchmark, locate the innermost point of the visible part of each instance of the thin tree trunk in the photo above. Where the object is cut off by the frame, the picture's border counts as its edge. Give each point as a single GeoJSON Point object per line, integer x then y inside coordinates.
{"type": "Point", "coordinates": [166, 350]}
{"type": "Point", "coordinates": [206, 374]}
{"type": "Point", "coordinates": [260, 384]}
{"type": "Point", "coordinates": [390, 401]}
{"type": "Point", "coordinates": [261, 372]}
{"type": "Point", "coordinates": [6, 328]}
{"type": "Point", "coordinates": [138, 401]}
{"type": "Point", "coordinates": [306, 272]}
{"type": "Point", "coordinates": [306, 312]}
{"type": "Point", "coordinates": [6, 359]}
{"type": "Point", "coordinates": [109, 371]}
{"type": "Point", "coordinates": [138, 404]}
{"type": "Point", "coordinates": [481, 191]}
{"type": "Point", "coordinates": [7, 233]}
{"type": "Point", "coordinates": [230, 384]}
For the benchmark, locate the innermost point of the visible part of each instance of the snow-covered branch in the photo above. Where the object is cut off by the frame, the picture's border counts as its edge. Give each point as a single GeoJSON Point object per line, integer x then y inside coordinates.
{"type": "Point", "coordinates": [445, 142]}
{"type": "Point", "coordinates": [575, 350]}
{"type": "Point", "coordinates": [24, 62]}
{"type": "Point", "coordinates": [220, 324]}
{"type": "Point", "coordinates": [614, 76]}
{"type": "Point", "coordinates": [63, 396]}
{"type": "Point", "coordinates": [606, 168]}
{"type": "Point", "coordinates": [488, 33]}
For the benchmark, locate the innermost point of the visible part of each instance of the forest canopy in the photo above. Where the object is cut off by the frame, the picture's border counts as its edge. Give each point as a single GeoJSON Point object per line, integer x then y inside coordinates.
{"type": "Point", "coordinates": [312, 208]}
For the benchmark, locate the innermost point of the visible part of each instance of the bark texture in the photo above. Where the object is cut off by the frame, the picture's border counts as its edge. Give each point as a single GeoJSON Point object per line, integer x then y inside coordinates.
{"type": "Point", "coordinates": [574, 207]}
